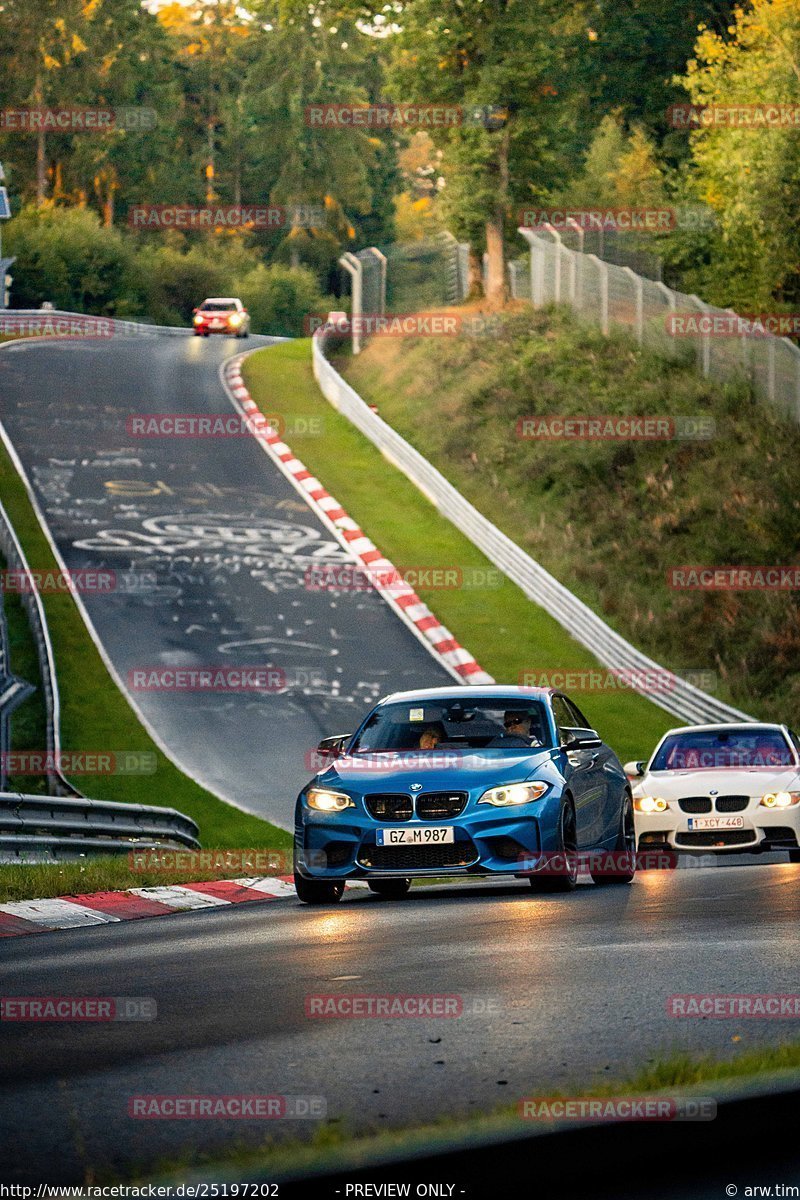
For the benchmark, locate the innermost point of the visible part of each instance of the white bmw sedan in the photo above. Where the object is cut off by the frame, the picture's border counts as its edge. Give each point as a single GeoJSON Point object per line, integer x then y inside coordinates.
{"type": "Point", "coordinates": [725, 788]}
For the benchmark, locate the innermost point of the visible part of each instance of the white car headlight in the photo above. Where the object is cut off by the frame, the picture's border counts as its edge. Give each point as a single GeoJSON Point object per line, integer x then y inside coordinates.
{"type": "Point", "coordinates": [326, 801]}
{"type": "Point", "coordinates": [780, 799]}
{"type": "Point", "coordinates": [650, 804]}
{"type": "Point", "coordinates": [514, 793]}
{"type": "Point", "coordinates": [235, 318]}
{"type": "Point", "coordinates": [198, 320]}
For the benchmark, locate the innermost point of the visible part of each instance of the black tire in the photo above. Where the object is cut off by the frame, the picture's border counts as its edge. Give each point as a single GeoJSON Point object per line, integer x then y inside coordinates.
{"type": "Point", "coordinates": [317, 891]}
{"type": "Point", "coordinates": [794, 856]}
{"type": "Point", "coordinates": [390, 889]}
{"type": "Point", "coordinates": [625, 844]}
{"type": "Point", "coordinates": [568, 845]}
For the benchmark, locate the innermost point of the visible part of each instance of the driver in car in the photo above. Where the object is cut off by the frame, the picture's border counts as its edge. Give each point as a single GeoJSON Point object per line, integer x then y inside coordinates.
{"type": "Point", "coordinates": [518, 724]}
{"type": "Point", "coordinates": [430, 738]}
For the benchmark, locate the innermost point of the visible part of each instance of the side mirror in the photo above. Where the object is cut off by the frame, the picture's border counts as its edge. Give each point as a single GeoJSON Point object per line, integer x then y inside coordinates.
{"type": "Point", "coordinates": [195, 310]}
{"type": "Point", "coordinates": [634, 770]}
{"type": "Point", "coordinates": [582, 739]}
{"type": "Point", "coordinates": [333, 746]}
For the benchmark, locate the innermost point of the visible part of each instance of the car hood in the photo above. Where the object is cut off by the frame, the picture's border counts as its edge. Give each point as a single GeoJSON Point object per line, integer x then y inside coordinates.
{"type": "Point", "coordinates": [731, 781]}
{"type": "Point", "coordinates": [446, 769]}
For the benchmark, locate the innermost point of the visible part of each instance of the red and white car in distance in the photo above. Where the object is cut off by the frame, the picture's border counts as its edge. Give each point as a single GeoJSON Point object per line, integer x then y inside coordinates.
{"type": "Point", "coordinates": [221, 314]}
{"type": "Point", "coordinates": [720, 788]}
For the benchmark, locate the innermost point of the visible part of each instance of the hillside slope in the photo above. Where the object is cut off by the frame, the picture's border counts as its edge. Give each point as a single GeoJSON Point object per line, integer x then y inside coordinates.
{"type": "Point", "coordinates": [611, 518]}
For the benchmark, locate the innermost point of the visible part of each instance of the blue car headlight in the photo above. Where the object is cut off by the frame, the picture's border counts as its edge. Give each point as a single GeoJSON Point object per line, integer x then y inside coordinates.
{"type": "Point", "coordinates": [514, 793]}
{"type": "Point", "coordinates": [324, 800]}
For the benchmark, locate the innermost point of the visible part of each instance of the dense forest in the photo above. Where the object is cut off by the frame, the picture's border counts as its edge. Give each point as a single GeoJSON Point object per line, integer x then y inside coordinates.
{"type": "Point", "coordinates": [558, 105]}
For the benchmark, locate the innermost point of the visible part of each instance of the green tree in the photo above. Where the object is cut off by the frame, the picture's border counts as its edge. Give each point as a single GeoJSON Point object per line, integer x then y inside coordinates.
{"type": "Point", "coordinates": [751, 177]}
{"type": "Point", "coordinates": [495, 55]}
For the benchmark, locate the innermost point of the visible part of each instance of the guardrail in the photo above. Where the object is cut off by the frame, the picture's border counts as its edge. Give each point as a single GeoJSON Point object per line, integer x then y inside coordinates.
{"type": "Point", "coordinates": [59, 826]}
{"type": "Point", "coordinates": [682, 699]}
{"type": "Point", "coordinates": [32, 603]}
{"type": "Point", "coordinates": [115, 325]}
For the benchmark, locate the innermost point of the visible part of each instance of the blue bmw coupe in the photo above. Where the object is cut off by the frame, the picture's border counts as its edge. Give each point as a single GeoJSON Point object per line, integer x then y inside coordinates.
{"type": "Point", "coordinates": [462, 781]}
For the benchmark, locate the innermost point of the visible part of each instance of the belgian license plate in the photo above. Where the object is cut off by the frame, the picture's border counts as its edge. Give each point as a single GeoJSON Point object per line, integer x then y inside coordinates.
{"type": "Point", "coordinates": [716, 822]}
{"type": "Point", "coordinates": [430, 835]}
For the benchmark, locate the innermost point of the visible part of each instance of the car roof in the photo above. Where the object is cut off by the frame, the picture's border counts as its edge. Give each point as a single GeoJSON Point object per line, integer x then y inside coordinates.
{"type": "Point", "coordinates": [222, 300]}
{"type": "Point", "coordinates": [722, 727]}
{"type": "Point", "coordinates": [467, 692]}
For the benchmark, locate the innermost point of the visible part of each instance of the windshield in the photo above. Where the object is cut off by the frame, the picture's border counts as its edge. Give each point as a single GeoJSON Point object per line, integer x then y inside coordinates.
{"type": "Point", "coordinates": [746, 747]}
{"type": "Point", "coordinates": [218, 306]}
{"type": "Point", "coordinates": [453, 724]}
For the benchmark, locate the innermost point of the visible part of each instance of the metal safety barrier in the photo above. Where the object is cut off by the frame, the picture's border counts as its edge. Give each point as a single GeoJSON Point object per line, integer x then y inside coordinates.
{"type": "Point", "coordinates": [681, 698]}
{"type": "Point", "coordinates": [56, 827]}
{"type": "Point", "coordinates": [32, 603]}
{"type": "Point", "coordinates": [104, 326]}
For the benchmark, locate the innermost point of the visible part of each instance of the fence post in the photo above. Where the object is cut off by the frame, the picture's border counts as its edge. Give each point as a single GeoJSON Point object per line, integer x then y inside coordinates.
{"type": "Point", "coordinates": [638, 285]}
{"type": "Point", "coordinates": [704, 345]}
{"type": "Point", "coordinates": [602, 269]}
{"type": "Point", "coordinates": [573, 273]}
{"type": "Point", "coordinates": [537, 266]}
{"type": "Point", "coordinates": [512, 280]}
{"type": "Point", "coordinates": [771, 367]}
{"type": "Point", "coordinates": [383, 266]}
{"type": "Point", "coordinates": [354, 269]}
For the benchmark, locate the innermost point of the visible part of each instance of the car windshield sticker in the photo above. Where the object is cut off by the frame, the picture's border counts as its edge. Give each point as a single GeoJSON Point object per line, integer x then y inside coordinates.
{"type": "Point", "coordinates": [416, 714]}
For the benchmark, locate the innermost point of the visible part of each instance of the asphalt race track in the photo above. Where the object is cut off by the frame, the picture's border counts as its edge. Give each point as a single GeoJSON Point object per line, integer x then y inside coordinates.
{"type": "Point", "coordinates": [558, 992]}
{"type": "Point", "coordinates": [554, 990]}
{"type": "Point", "coordinates": [211, 546]}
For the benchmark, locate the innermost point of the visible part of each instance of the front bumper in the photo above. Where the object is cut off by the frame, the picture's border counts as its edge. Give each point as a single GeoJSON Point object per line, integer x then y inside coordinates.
{"type": "Point", "coordinates": [761, 829]}
{"type": "Point", "coordinates": [493, 843]}
{"type": "Point", "coordinates": [226, 328]}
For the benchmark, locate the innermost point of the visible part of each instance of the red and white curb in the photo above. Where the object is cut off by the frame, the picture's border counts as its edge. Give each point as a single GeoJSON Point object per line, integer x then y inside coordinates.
{"type": "Point", "coordinates": [104, 908]}
{"type": "Point", "coordinates": [458, 661]}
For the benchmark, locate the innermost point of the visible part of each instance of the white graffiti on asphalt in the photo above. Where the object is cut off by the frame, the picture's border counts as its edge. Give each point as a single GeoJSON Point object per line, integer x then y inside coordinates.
{"type": "Point", "coordinates": [267, 538]}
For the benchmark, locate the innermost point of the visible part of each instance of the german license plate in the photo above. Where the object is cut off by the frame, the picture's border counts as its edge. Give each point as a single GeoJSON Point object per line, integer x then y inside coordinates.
{"type": "Point", "coordinates": [429, 835]}
{"type": "Point", "coordinates": [716, 822]}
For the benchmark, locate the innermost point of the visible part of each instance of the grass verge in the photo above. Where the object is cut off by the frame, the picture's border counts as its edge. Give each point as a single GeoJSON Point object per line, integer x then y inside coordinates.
{"type": "Point", "coordinates": [332, 1146]}
{"type": "Point", "coordinates": [612, 519]}
{"type": "Point", "coordinates": [95, 715]}
{"type": "Point", "coordinates": [505, 631]}
{"type": "Point", "coordinates": [115, 873]}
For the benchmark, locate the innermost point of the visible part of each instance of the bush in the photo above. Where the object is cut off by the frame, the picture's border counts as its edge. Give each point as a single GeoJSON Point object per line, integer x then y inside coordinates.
{"type": "Point", "coordinates": [279, 299]}
{"type": "Point", "coordinates": [66, 256]}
